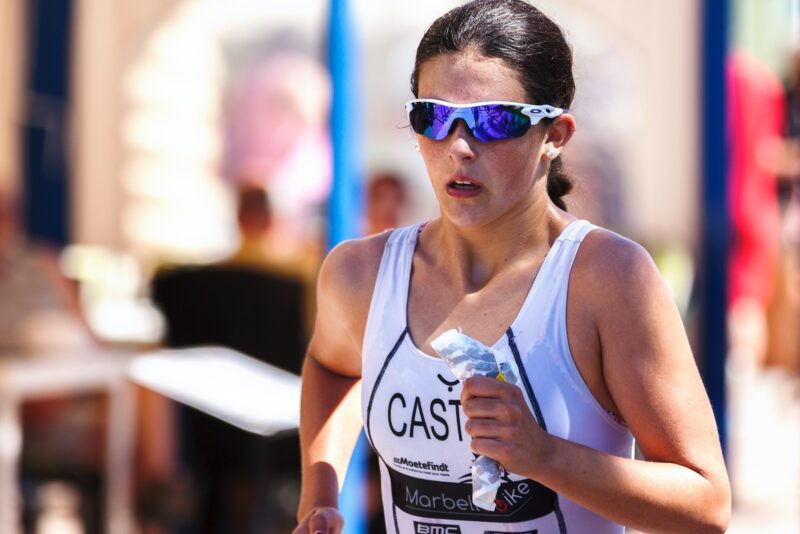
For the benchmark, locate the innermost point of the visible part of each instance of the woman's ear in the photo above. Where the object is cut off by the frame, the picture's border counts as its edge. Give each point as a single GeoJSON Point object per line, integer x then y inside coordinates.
{"type": "Point", "coordinates": [558, 135]}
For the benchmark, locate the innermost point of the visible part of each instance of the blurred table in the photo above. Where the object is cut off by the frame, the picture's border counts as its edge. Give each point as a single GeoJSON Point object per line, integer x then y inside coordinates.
{"type": "Point", "coordinates": [31, 377]}
{"type": "Point", "coordinates": [252, 395]}
{"type": "Point", "coordinates": [233, 387]}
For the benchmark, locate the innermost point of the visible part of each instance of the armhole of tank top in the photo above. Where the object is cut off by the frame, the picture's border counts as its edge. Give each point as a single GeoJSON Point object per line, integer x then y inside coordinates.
{"type": "Point", "coordinates": [613, 420]}
{"type": "Point", "coordinates": [376, 293]}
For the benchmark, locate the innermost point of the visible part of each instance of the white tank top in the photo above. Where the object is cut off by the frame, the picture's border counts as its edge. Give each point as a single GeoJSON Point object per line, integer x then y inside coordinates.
{"type": "Point", "coordinates": [414, 421]}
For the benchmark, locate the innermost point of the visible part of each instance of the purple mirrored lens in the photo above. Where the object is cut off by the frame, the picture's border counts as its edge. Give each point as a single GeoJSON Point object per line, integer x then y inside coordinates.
{"type": "Point", "coordinates": [492, 122]}
{"type": "Point", "coordinates": [498, 121]}
{"type": "Point", "coordinates": [430, 119]}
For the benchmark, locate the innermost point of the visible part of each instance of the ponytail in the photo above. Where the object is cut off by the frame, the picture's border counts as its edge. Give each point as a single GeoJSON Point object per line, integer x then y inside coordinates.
{"type": "Point", "coordinates": [558, 183]}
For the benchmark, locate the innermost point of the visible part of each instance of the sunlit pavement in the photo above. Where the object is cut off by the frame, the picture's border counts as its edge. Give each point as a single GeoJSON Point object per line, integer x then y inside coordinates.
{"type": "Point", "coordinates": [765, 454]}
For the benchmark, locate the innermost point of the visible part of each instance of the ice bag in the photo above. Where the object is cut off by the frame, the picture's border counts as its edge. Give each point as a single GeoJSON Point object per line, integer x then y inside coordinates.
{"type": "Point", "coordinates": [467, 357]}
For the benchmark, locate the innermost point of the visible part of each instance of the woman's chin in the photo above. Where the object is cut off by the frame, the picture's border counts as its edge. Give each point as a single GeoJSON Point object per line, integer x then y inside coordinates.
{"type": "Point", "coordinates": [465, 218]}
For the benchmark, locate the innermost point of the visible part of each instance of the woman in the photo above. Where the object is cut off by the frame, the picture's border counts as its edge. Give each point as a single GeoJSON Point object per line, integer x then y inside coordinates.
{"type": "Point", "coordinates": [581, 311]}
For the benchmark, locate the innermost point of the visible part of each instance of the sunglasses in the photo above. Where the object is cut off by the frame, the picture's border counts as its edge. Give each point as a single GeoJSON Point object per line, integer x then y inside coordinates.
{"type": "Point", "coordinates": [486, 121]}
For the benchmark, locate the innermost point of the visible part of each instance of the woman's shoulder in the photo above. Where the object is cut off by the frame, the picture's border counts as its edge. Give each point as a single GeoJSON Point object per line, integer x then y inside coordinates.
{"type": "Point", "coordinates": [349, 271]}
{"type": "Point", "coordinates": [344, 291]}
{"type": "Point", "coordinates": [353, 259]}
{"type": "Point", "coordinates": [618, 288]}
{"type": "Point", "coordinates": [609, 261]}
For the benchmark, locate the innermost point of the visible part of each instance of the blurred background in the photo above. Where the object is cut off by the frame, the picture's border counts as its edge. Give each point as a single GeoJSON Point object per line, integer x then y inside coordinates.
{"type": "Point", "coordinates": [173, 171]}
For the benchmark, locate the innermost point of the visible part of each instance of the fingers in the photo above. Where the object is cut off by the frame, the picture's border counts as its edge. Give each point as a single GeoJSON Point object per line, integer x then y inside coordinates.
{"type": "Point", "coordinates": [482, 386]}
{"type": "Point", "coordinates": [487, 428]}
{"type": "Point", "coordinates": [326, 521]}
{"type": "Point", "coordinates": [491, 448]}
{"type": "Point", "coordinates": [486, 407]}
{"type": "Point", "coordinates": [481, 406]}
{"type": "Point", "coordinates": [318, 524]}
{"type": "Point", "coordinates": [483, 397]}
{"type": "Point", "coordinates": [321, 521]}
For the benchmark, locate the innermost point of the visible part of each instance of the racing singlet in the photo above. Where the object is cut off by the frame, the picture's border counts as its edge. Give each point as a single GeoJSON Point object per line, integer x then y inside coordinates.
{"type": "Point", "coordinates": [413, 418]}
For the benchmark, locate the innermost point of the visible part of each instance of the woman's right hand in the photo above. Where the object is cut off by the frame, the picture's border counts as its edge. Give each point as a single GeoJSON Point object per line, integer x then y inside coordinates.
{"type": "Point", "coordinates": [322, 520]}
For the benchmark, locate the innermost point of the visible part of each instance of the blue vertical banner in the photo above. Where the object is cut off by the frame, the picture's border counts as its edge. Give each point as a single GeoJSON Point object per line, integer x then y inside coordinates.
{"type": "Point", "coordinates": [347, 125]}
{"type": "Point", "coordinates": [715, 220]}
{"type": "Point", "coordinates": [45, 132]}
{"type": "Point", "coordinates": [345, 206]}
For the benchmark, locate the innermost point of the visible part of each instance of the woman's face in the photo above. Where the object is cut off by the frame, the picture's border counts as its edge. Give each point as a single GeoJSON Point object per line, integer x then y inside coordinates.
{"type": "Point", "coordinates": [509, 174]}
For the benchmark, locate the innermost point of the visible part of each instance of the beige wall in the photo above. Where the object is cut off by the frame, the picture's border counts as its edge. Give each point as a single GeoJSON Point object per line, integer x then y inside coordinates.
{"type": "Point", "coordinates": [660, 154]}
{"type": "Point", "coordinates": [662, 168]}
{"type": "Point", "coordinates": [109, 36]}
{"type": "Point", "coordinates": [96, 195]}
{"type": "Point", "coordinates": [11, 79]}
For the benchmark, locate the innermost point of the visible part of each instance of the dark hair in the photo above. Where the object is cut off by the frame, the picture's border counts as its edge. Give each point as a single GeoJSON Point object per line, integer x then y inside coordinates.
{"type": "Point", "coordinates": [522, 36]}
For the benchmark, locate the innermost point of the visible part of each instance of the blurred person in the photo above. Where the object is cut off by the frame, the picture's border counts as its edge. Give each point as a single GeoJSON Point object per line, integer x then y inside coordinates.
{"type": "Point", "coordinates": [263, 246]}
{"type": "Point", "coordinates": [783, 157]}
{"type": "Point", "coordinates": [755, 115]}
{"type": "Point", "coordinates": [262, 243]}
{"type": "Point", "coordinates": [254, 219]}
{"type": "Point", "coordinates": [756, 122]}
{"type": "Point", "coordinates": [387, 202]}
{"type": "Point", "coordinates": [254, 302]}
{"type": "Point", "coordinates": [39, 307]}
{"type": "Point", "coordinates": [579, 313]}
{"type": "Point", "coordinates": [277, 157]}
{"type": "Point", "coordinates": [40, 317]}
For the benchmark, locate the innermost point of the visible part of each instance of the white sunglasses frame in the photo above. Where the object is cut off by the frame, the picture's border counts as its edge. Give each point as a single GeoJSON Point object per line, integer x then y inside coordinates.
{"type": "Point", "coordinates": [534, 112]}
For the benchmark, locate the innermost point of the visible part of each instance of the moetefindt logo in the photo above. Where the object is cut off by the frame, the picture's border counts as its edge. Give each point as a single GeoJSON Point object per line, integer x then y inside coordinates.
{"type": "Point", "coordinates": [431, 528]}
{"type": "Point", "coordinates": [427, 466]}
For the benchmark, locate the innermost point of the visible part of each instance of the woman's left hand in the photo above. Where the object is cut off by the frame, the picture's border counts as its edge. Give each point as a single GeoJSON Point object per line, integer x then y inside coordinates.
{"type": "Point", "coordinates": [502, 426]}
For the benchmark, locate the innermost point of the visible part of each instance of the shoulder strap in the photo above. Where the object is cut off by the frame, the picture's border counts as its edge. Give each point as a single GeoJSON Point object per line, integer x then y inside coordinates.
{"type": "Point", "coordinates": [577, 230]}
{"type": "Point", "coordinates": [390, 293]}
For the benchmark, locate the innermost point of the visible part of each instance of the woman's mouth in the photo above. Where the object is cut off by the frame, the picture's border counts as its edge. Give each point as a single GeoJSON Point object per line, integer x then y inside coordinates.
{"type": "Point", "coordinates": [463, 187]}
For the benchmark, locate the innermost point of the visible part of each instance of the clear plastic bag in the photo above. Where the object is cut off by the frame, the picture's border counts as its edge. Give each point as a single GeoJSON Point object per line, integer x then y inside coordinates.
{"type": "Point", "coordinates": [467, 357]}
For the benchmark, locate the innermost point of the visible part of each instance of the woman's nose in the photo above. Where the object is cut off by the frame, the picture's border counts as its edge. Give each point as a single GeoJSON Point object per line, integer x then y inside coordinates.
{"type": "Point", "coordinates": [461, 141]}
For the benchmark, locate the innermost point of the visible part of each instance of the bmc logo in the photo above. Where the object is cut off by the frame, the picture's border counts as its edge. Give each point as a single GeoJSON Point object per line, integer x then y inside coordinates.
{"type": "Point", "coordinates": [429, 528]}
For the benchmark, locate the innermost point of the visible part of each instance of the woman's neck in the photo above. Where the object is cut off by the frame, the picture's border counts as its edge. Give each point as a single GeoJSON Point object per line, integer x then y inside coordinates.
{"type": "Point", "coordinates": [473, 256]}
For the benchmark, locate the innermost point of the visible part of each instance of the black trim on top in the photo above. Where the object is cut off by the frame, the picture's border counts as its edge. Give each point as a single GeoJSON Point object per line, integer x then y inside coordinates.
{"type": "Point", "coordinates": [375, 388]}
{"type": "Point", "coordinates": [537, 411]}
{"type": "Point", "coordinates": [512, 343]}
{"type": "Point", "coordinates": [369, 410]}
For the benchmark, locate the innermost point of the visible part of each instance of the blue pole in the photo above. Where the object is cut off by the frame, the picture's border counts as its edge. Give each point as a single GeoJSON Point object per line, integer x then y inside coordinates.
{"type": "Point", "coordinates": [347, 125]}
{"type": "Point", "coordinates": [715, 220]}
{"type": "Point", "coordinates": [345, 204]}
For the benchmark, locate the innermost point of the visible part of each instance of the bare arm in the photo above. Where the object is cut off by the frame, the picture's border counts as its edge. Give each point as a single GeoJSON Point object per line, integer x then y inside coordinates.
{"type": "Point", "coordinates": [330, 415]}
{"type": "Point", "coordinates": [330, 421]}
{"type": "Point", "coordinates": [649, 370]}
